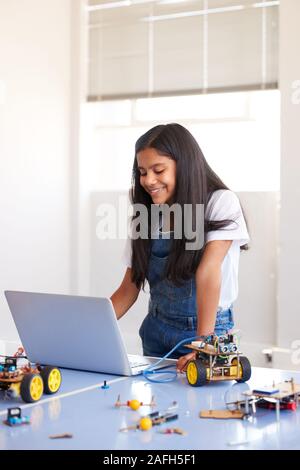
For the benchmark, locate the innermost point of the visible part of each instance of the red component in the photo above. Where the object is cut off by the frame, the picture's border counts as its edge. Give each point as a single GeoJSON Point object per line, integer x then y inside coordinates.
{"type": "Point", "coordinates": [290, 406]}
{"type": "Point", "coordinates": [168, 431]}
{"type": "Point", "coordinates": [284, 405]}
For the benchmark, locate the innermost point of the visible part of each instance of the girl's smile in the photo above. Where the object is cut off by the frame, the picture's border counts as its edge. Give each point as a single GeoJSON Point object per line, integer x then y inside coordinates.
{"type": "Point", "coordinates": [157, 175]}
{"type": "Point", "coordinates": [155, 191]}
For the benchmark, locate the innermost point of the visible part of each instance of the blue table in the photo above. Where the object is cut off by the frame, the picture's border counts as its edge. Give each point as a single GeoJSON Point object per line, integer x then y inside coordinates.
{"type": "Point", "coordinates": [85, 410]}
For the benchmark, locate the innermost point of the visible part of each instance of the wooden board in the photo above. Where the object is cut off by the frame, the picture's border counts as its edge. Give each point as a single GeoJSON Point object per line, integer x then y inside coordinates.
{"type": "Point", "coordinates": [13, 381]}
{"type": "Point", "coordinates": [222, 414]}
{"type": "Point", "coordinates": [211, 351]}
{"type": "Point", "coordinates": [222, 377]}
{"type": "Point", "coordinates": [286, 389]}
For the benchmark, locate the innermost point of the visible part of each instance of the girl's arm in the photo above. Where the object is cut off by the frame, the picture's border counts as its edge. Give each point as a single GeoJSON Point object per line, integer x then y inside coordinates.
{"type": "Point", "coordinates": [208, 287]}
{"type": "Point", "coordinates": [208, 284]}
{"type": "Point", "coordinates": [125, 296]}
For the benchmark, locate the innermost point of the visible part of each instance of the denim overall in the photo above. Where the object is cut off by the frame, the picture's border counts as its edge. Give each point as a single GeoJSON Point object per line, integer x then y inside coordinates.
{"type": "Point", "coordinates": [172, 314]}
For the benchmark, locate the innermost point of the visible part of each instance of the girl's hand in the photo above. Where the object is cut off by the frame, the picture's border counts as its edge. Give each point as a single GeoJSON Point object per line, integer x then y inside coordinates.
{"type": "Point", "coordinates": [183, 360]}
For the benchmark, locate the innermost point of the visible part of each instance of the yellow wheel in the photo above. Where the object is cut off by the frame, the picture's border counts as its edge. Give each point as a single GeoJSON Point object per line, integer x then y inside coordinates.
{"type": "Point", "coordinates": [52, 379]}
{"type": "Point", "coordinates": [32, 388]}
{"type": "Point", "coordinates": [196, 373]}
{"type": "Point", "coordinates": [191, 373]}
{"type": "Point", "coordinates": [244, 372]}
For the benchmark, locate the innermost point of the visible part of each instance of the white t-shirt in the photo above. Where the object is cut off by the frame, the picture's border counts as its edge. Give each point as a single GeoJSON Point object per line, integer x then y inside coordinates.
{"type": "Point", "coordinates": [223, 204]}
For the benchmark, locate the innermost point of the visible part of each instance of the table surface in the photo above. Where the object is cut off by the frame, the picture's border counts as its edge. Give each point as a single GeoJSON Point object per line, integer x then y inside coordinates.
{"type": "Point", "coordinates": [85, 410]}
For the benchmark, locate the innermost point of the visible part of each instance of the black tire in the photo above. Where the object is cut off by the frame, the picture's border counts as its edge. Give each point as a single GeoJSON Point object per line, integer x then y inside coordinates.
{"type": "Point", "coordinates": [246, 369]}
{"type": "Point", "coordinates": [25, 388]}
{"type": "Point", "coordinates": [45, 374]}
{"type": "Point", "coordinates": [196, 373]}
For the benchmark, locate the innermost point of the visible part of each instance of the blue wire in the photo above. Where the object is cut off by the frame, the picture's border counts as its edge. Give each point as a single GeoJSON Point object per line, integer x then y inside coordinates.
{"type": "Point", "coordinates": [149, 371]}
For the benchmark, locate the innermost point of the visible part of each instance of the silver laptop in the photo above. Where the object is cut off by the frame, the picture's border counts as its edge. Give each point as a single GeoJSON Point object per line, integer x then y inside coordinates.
{"type": "Point", "coordinates": [74, 332]}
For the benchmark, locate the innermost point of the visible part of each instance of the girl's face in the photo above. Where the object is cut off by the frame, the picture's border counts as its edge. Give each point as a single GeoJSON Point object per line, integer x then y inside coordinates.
{"type": "Point", "coordinates": [157, 175]}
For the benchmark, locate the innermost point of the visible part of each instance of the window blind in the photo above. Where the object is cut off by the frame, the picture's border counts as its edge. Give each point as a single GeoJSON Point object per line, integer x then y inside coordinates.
{"type": "Point", "coordinates": [140, 48]}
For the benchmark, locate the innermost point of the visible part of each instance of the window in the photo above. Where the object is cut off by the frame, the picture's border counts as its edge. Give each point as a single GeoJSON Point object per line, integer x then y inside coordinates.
{"type": "Point", "coordinates": [144, 48]}
{"type": "Point", "coordinates": [238, 132]}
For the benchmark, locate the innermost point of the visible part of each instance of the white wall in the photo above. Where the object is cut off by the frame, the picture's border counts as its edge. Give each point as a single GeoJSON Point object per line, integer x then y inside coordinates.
{"type": "Point", "coordinates": [256, 306]}
{"type": "Point", "coordinates": [289, 238]}
{"type": "Point", "coordinates": [35, 44]}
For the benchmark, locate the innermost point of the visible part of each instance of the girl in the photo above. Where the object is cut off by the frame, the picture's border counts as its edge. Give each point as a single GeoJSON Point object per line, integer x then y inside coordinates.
{"type": "Point", "coordinates": [191, 291]}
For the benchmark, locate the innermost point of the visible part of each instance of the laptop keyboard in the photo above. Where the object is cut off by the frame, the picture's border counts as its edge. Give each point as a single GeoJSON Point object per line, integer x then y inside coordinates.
{"type": "Point", "coordinates": [138, 361]}
{"type": "Point", "coordinates": [137, 364]}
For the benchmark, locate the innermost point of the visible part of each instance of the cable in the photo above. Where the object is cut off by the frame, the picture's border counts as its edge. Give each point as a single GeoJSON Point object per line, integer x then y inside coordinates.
{"type": "Point", "coordinates": [151, 371]}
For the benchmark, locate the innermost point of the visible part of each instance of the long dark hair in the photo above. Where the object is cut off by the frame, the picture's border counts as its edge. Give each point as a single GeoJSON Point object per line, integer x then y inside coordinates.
{"type": "Point", "coordinates": [195, 183]}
